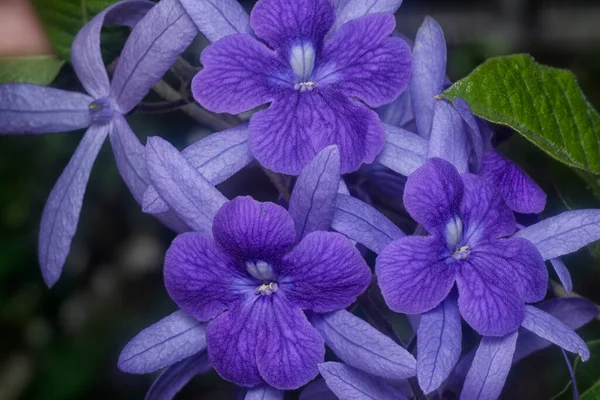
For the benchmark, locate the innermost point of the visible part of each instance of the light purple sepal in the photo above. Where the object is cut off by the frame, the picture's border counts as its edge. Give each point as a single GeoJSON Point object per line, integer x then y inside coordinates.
{"type": "Point", "coordinates": [403, 151]}
{"type": "Point", "coordinates": [351, 384]}
{"type": "Point", "coordinates": [312, 202]}
{"type": "Point", "coordinates": [361, 222]}
{"type": "Point", "coordinates": [264, 393]}
{"type": "Point", "coordinates": [439, 343]}
{"type": "Point", "coordinates": [217, 157]}
{"type": "Point", "coordinates": [353, 9]}
{"type": "Point", "coordinates": [183, 188]}
{"type": "Point", "coordinates": [175, 377]}
{"type": "Point", "coordinates": [564, 233]}
{"type": "Point", "coordinates": [154, 44]}
{"type": "Point", "coordinates": [490, 368]}
{"type": "Point", "coordinates": [164, 343]}
{"type": "Point", "coordinates": [552, 329]}
{"type": "Point", "coordinates": [472, 128]}
{"type": "Point", "coordinates": [360, 345]}
{"type": "Point", "coordinates": [217, 18]}
{"type": "Point", "coordinates": [448, 139]}
{"type": "Point", "coordinates": [61, 212]}
{"type": "Point", "coordinates": [31, 109]}
{"type": "Point", "coordinates": [563, 274]}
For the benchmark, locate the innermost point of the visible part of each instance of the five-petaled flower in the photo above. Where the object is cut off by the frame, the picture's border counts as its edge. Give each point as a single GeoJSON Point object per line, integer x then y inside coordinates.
{"type": "Point", "coordinates": [252, 284]}
{"type": "Point", "coordinates": [311, 83]}
{"type": "Point", "coordinates": [468, 222]}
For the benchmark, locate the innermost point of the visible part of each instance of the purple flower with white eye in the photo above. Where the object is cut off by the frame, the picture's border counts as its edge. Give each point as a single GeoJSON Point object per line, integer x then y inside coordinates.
{"type": "Point", "coordinates": [155, 42]}
{"type": "Point", "coordinates": [468, 224]}
{"type": "Point", "coordinates": [309, 82]}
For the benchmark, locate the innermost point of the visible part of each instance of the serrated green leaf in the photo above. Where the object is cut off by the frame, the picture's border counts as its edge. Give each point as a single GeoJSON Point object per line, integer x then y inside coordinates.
{"type": "Point", "coordinates": [587, 375]}
{"type": "Point", "coordinates": [39, 70]}
{"type": "Point", "coordinates": [62, 20]}
{"type": "Point", "coordinates": [544, 104]}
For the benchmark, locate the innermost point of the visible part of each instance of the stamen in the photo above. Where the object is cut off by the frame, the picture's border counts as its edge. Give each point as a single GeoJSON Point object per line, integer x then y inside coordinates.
{"type": "Point", "coordinates": [462, 253]}
{"type": "Point", "coordinates": [267, 289]}
{"type": "Point", "coordinates": [305, 86]}
{"type": "Point", "coordinates": [101, 110]}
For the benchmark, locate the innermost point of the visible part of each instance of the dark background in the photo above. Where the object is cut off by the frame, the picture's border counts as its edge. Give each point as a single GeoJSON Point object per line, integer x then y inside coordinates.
{"type": "Point", "coordinates": [63, 343]}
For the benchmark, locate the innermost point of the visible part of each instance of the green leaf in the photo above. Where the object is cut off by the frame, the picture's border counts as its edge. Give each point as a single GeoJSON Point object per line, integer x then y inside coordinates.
{"type": "Point", "coordinates": [39, 70]}
{"type": "Point", "coordinates": [62, 20]}
{"type": "Point", "coordinates": [544, 104]}
{"type": "Point", "coordinates": [587, 375]}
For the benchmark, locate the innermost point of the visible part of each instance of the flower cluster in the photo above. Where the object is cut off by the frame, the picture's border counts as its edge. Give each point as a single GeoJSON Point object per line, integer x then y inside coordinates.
{"type": "Point", "coordinates": [263, 288]}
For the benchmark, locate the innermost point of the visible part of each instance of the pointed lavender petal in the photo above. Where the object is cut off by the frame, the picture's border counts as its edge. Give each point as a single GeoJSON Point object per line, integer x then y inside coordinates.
{"type": "Point", "coordinates": [351, 384]}
{"type": "Point", "coordinates": [520, 192]}
{"type": "Point", "coordinates": [312, 202]}
{"type": "Point", "coordinates": [61, 212]}
{"type": "Point", "coordinates": [37, 109]}
{"type": "Point", "coordinates": [216, 19]}
{"type": "Point", "coordinates": [550, 328]}
{"type": "Point", "coordinates": [183, 188]}
{"type": "Point", "coordinates": [449, 138]}
{"type": "Point", "coordinates": [264, 393]}
{"type": "Point", "coordinates": [571, 375]}
{"type": "Point", "coordinates": [357, 8]}
{"type": "Point", "coordinates": [360, 345]}
{"type": "Point", "coordinates": [472, 128]}
{"type": "Point", "coordinates": [175, 377]}
{"type": "Point", "coordinates": [361, 222]}
{"type": "Point", "coordinates": [574, 312]}
{"type": "Point", "coordinates": [363, 61]}
{"type": "Point", "coordinates": [564, 233]}
{"type": "Point", "coordinates": [439, 344]}
{"type": "Point", "coordinates": [164, 343]}
{"type": "Point", "coordinates": [429, 73]}
{"type": "Point", "coordinates": [563, 274]}
{"type": "Point", "coordinates": [403, 151]}
{"type": "Point", "coordinates": [153, 46]}
{"type": "Point", "coordinates": [399, 112]}
{"type": "Point", "coordinates": [86, 56]}
{"type": "Point", "coordinates": [490, 368]}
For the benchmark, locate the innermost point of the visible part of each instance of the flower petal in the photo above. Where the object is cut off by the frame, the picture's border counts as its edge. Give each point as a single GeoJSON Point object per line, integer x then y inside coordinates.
{"type": "Point", "coordinates": [399, 112]}
{"type": "Point", "coordinates": [488, 300]}
{"type": "Point", "coordinates": [288, 348]}
{"type": "Point", "coordinates": [472, 128]}
{"type": "Point", "coordinates": [351, 384]}
{"type": "Point", "coordinates": [519, 261]}
{"type": "Point", "coordinates": [412, 275]}
{"type": "Point", "coordinates": [37, 109]}
{"type": "Point", "coordinates": [324, 272]}
{"type": "Point", "coordinates": [86, 57]}
{"type": "Point", "coordinates": [564, 233]}
{"type": "Point", "coordinates": [254, 231]}
{"type": "Point", "coordinates": [153, 46]}
{"type": "Point", "coordinates": [184, 189]}
{"type": "Point", "coordinates": [264, 393]}
{"type": "Point", "coordinates": [216, 19]}
{"type": "Point", "coordinates": [364, 62]}
{"type": "Point", "coordinates": [174, 378]}
{"type": "Point", "coordinates": [313, 199]}
{"type": "Point", "coordinates": [287, 135]}
{"type": "Point", "coordinates": [281, 22]}
{"type": "Point", "coordinates": [61, 212]}
{"type": "Point", "coordinates": [552, 329]}
{"type": "Point", "coordinates": [573, 312]}
{"type": "Point", "coordinates": [201, 278]}
{"type": "Point", "coordinates": [239, 74]}
{"type": "Point", "coordinates": [164, 343]}
{"type": "Point", "coordinates": [429, 59]}
{"type": "Point", "coordinates": [433, 194]}
{"type": "Point", "coordinates": [360, 345]}
{"type": "Point", "coordinates": [358, 8]}
{"type": "Point", "coordinates": [448, 138]}
{"type": "Point", "coordinates": [484, 213]}
{"type": "Point", "coordinates": [439, 344]}
{"type": "Point", "coordinates": [490, 368]}
{"type": "Point", "coordinates": [403, 151]}
{"type": "Point", "coordinates": [563, 274]}
{"type": "Point", "coordinates": [363, 223]}
{"type": "Point", "coordinates": [520, 192]}
{"type": "Point", "coordinates": [232, 339]}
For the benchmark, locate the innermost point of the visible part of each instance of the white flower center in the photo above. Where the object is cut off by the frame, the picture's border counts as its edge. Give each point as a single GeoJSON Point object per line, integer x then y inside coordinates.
{"type": "Point", "coordinates": [461, 253]}
{"type": "Point", "coordinates": [302, 60]}
{"type": "Point", "coordinates": [453, 232]}
{"type": "Point", "coordinates": [267, 289]}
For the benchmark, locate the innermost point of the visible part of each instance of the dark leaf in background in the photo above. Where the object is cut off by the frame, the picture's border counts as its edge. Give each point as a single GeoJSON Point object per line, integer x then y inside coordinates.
{"type": "Point", "coordinates": [586, 374]}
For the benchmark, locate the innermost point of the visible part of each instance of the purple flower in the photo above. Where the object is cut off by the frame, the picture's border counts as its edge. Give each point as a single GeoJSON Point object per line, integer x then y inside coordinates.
{"type": "Point", "coordinates": [162, 34]}
{"type": "Point", "coordinates": [253, 284]}
{"type": "Point", "coordinates": [468, 222]}
{"type": "Point", "coordinates": [309, 82]}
